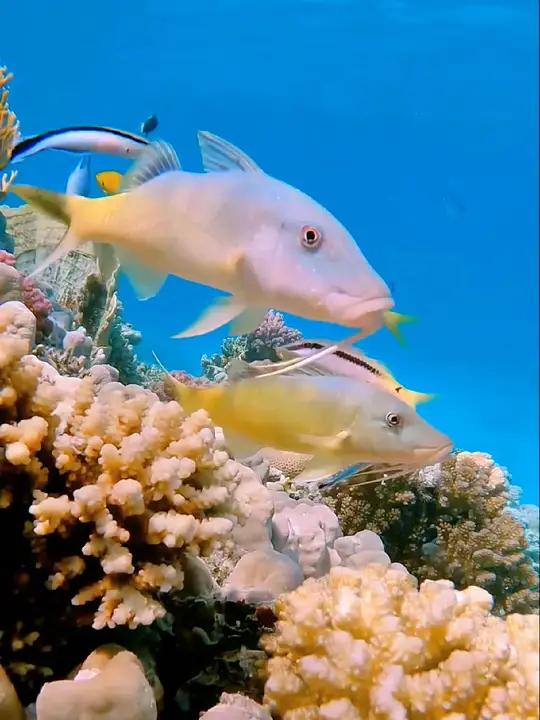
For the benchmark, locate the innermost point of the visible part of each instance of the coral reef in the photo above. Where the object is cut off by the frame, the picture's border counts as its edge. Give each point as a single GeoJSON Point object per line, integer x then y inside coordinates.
{"type": "Point", "coordinates": [9, 131]}
{"type": "Point", "coordinates": [119, 485]}
{"type": "Point", "coordinates": [15, 286]}
{"type": "Point", "coordinates": [449, 521]}
{"type": "Point", "coordinates": [368, 643]}
{"type": "Point", "coordinates": [258, 345]}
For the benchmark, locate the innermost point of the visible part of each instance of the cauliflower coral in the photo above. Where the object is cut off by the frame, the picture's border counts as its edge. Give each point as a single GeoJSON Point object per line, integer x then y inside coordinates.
{"type": "Point", "coordinates": [368, 644]}
{"type": "Point", "coordinates": [105, 493]}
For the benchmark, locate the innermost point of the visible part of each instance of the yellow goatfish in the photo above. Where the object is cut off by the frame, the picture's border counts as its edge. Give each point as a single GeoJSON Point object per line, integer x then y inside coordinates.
{"type": "Point", "coordinates": [340, 421]}
{"type": "Point", "coordinates": [233, 228]}
{"type": "Point", "coordinates": [109, 181]}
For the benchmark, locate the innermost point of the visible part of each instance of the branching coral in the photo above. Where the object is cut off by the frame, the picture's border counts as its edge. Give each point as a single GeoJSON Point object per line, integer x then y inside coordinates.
{"type": "Point", "coordinates": [258, 345]}
{"type": "Point", "coordinates": [119, 486]}
{"type": "Point", "coordinates": [450, 521]}
{"type": "Point", "coordinates": [367, 644]}
{"type": "Point", "coordinates": [9, 131]}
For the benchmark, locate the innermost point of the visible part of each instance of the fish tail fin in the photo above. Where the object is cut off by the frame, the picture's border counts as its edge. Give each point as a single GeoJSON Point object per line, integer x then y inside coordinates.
{"type": "Point", "coordinates": [61, 207]}
{"type": "Point", "coordinates": [414, 398]}
{"type": "Point", "coordinates": [393, 320]}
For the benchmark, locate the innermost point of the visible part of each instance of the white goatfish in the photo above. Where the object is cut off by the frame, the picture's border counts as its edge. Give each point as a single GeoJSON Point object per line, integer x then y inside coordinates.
{"type": "Point", "coordinates": [350, 362]}
{"type": "Point", "coordinates": [233, 228]}
{"type": "Point", "coordinates": [79, 181]}
{"type": "Point", "coordinates": [340, 421]}
{"type": "Point", "coordinates": [81, 139]}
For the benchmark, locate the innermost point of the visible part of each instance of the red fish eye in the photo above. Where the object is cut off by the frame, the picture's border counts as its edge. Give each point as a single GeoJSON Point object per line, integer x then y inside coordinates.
{"type": "Point", "coordinates": [310, 237]}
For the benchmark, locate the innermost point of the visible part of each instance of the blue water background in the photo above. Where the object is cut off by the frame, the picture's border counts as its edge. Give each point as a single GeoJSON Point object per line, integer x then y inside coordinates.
{"type": "Point", "coordinates": [415, 122]}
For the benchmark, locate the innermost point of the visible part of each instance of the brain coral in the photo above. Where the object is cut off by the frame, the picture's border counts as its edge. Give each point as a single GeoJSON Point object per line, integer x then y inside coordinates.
{"type": "Point", "coordinates": [449, 521]}
{"type": "Point", "coordinates": [367, 644]}
{"type": "Point", "coordinates": [102, 491]}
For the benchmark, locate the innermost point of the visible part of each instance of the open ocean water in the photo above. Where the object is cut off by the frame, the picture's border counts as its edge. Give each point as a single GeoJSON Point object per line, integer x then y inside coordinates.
{"type": "Point", "coordinates": [414, 121]}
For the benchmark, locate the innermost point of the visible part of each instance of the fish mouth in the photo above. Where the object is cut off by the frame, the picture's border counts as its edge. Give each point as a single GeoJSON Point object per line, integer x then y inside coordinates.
{"type": "Point", "coordinates": [433, 455]}
{"type": "Point", "coordinates": [352, 312]}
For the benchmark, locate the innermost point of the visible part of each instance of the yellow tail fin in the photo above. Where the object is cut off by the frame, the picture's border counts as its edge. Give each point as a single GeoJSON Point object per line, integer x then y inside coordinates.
{"type": "Point", "coordinates": [60, 207]}
{"type": "Point", "coordinates": [393, 320]}
{"type": "Point", "coordinates": [414, 398]}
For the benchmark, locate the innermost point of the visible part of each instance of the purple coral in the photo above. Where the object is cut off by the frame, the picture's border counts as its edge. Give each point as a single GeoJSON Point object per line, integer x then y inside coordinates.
{"type": "Point", "coordinates": [31, 295]}
{"type": "Point", "coordinates": [271, 334]}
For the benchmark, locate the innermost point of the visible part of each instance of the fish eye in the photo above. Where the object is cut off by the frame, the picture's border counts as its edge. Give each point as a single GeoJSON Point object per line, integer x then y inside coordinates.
{"type": "Point", "coordinates": [310, 237]}
{"type": "Point", "coordinates": [393, 419]}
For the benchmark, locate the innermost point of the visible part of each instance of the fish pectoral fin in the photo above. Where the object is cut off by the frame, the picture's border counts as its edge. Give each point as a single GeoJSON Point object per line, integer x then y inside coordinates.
{"type": "Point", "coordinates": [156, 159]}
{"type": "Point", "coordinates": [145, 281]}
{"type": "Point", "coordinates": [248, 321]}
{"type": "Point", "coordinates": [320, 470]}
{"type": "Point", "coordinates": [332, 443]}
{"type": "Point", "coordinates": [341, 476]}
{"type": "Point", "coordinates": [219, 313]}
{"type": "Point", "coordinates": [218, 155]}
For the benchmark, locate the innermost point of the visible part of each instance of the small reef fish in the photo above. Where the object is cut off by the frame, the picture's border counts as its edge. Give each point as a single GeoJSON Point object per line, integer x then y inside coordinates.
{"type": "Point", "coordinates": [149, 125]}
{"type": "Point", "coordinates": [81, 139]}
{"type": "Point", "coordinates": [79, 180]}
{"type": "Point", "coordinates": [233, 228]}
{"type": "Point", "coordinates": [109, 181]}
{"type": "Point", "coordinates": [340, 421]}
{"type": "Point", "coordinates": [350, 362]}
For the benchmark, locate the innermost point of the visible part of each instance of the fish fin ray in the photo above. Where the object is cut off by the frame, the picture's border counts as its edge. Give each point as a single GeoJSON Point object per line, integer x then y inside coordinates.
{"type": "Point", "coordinates": [340, 476]}
{"type": "Point", "coordinates": [393, 320]}
{"type": "Point", "coordinates": [156, 159]}
{"type": "Point", "coordinates": [319, 470]}
{"type": "Point", "coordinates": [219, 155]}
{"type": "Point", "coordinates": [333, 443]}
{"type": "Point", "coordinates": [58, 206]}
{"type": "Point", "coordinates": [145, 281]}
{"type": "Point", "coordinates": [248, 321]}
{"type": "Point", "coordinates": [217, 314]}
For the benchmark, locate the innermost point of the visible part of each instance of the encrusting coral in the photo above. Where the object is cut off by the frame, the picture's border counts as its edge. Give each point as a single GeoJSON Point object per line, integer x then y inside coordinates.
{"type": "Point", "coordinates": [449, 521]}
{"type": "Point", "coordinates": [368, 644]}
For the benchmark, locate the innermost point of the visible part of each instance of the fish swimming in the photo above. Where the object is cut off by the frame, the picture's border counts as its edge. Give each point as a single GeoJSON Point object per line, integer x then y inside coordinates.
{"type": "Point", "coordinates": [149, 125]}
{"type": "Point", "coordinates": [344, 361]}
{"type": "Point", "coordinates": [81, 139]}
{"type": "Point", "coordinates": [109, 181]}
{"type": "Point", "coordinates": [340, 421]}
{"type": "Point", "coordinates": [350, 362]}
{"type": "Point", "coordinates": [79, 180]}
{"type": "Point", "coordinates": [233, 228]}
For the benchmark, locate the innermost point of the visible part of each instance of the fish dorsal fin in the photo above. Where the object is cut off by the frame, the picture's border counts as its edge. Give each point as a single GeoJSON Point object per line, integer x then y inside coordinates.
{"type": "Point", "coordinates": [157, 158]}
{"type": "Point", "coordinates": [218, 155]}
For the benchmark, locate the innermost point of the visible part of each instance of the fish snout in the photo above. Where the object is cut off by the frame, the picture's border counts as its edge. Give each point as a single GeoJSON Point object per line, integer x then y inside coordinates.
{"type": "Point", "coordinates": [434, 454]}
{"type": "Point", "coordinates": [356, 312]}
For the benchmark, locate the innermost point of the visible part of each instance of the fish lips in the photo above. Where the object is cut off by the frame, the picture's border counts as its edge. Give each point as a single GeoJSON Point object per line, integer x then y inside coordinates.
{"type": "Point", "coordinates": [433, 455]}
{"type": "Point", "coordinates": [355, 312]}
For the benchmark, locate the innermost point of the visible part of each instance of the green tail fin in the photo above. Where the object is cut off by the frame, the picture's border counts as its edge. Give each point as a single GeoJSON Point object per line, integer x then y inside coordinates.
{"type": "Point", "coordinates": [393, 320]}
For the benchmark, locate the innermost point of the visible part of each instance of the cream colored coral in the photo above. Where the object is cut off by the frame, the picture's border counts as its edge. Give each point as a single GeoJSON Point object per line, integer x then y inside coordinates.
{"type": "Point", "coordinates": [367, 644]}
{"type": "Point", "coordinates": [114, 690]}
{"type": "Point", "coordinates": [136, 481]}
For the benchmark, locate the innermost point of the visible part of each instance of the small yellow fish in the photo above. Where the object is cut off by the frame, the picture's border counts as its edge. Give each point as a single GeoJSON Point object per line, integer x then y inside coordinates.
{"type": "Point", "coordinates": [340, 421]}
{"type": "Point", "coordinates": [109, 181]}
